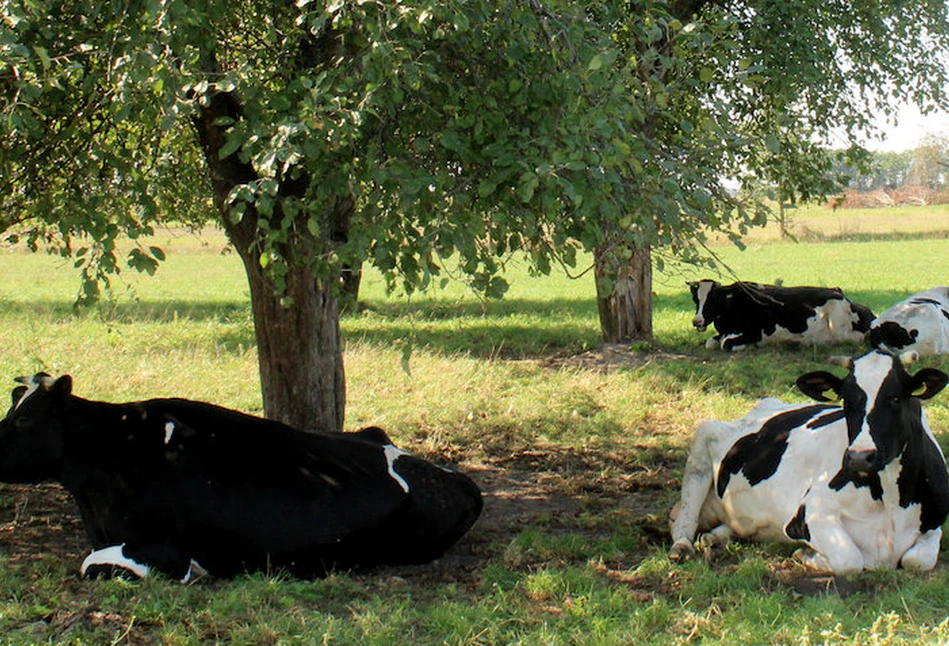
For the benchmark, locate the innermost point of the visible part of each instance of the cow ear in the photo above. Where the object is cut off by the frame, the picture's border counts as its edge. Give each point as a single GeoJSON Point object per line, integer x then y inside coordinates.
{"type": "Point", "coordinates": [816, 385]}
{"type": "Point", "coordinates": [17, 395]}
{"type": "Point", "coordinates": [63, 386]}
{"type": "Point", "coordinates": [928, 382]}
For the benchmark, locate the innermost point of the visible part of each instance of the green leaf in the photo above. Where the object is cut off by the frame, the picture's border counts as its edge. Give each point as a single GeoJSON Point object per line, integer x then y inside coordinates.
{"type": "Point", "coordinates": [451, 140]}
{"type": "Point", "coordinates": [232, 144]}
{"type": "Point", "coordinates": [486, 187]}
{"type": "Point", "coordinates": [43, 56]}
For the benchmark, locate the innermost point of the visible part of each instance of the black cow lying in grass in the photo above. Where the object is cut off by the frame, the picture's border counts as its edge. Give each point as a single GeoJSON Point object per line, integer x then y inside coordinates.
{"type": "Point", "coordinates": [184, 487]}
{"type": "Point", "coordinates": [748, 314]}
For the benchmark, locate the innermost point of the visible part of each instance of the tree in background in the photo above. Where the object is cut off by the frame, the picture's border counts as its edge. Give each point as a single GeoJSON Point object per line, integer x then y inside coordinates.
{"type": "Point", "coordinates": [429, 139]}
{"type": "Point", "coordinates": [929, 162]}
{"type": "Point", "coordinates": [925, 165]}
{"type": "Point", "coordinates": [754, 85]}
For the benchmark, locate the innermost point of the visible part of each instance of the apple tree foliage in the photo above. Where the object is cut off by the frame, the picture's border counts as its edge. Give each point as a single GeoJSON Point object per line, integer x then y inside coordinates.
{"type": "Point", "coordinates": [430, 139]}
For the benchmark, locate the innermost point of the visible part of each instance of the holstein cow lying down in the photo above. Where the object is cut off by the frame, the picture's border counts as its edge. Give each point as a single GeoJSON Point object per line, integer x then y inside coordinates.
{"type": "Point", "coordinates": [861, 486]}
{"type": "Point", "coordinates": [747, 314]}
{"type": "Point", "coordinates": [919, 323]}
{"type": "Point", "coordinates": [182, 487]}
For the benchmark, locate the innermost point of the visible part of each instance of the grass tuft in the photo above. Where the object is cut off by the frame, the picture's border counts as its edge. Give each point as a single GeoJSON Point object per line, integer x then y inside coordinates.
{"type": "Point", "coordinates": [580, 449]}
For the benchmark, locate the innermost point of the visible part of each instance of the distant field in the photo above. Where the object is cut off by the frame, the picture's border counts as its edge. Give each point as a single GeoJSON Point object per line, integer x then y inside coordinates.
{"type": "Point", "coordinates": [579, 450]}
{"type": "Point", "coordinates": [821, 222]}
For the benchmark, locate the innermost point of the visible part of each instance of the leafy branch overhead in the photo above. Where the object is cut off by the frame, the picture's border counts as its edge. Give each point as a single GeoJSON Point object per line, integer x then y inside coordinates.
{"type": "Point", "coordinates": [424, 137]}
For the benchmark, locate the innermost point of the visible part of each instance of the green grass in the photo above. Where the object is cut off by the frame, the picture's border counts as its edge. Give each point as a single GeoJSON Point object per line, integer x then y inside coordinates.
{"type": "Point", "coordinates": [508, 387]}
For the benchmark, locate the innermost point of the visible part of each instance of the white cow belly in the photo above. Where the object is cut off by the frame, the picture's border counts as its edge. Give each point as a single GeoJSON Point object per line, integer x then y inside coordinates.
{"type": "Point", "coordinates": [881, 530]}
{"type": "Point", "coordinates": [759, 512]}
{"type": "Point", "coordinates": [762, 511]}
{"type": "Point", "coordinates": [832, 322]}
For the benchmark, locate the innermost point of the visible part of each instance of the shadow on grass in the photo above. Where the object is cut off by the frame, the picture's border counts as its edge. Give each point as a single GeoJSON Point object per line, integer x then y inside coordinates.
{"type": "Point", "coordinates": [511, 328]}
{"type": "Point", "coordinates": [516, 328]}
{"type": "Point", "coordinates": [811, 235]}
{"type": "Point", "coordinates": [164, 311]}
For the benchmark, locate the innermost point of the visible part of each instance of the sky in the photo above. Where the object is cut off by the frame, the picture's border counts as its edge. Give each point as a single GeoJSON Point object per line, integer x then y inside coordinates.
{"type": "Point", "coordinates": [910, 129]}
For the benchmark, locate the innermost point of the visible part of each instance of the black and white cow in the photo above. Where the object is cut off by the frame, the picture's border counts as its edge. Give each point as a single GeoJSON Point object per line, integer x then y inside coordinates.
{"type": "Point", "coordinates": [861, 486]}
{"type": "Point", "coordinates": [746, 314]}
{"type": "Point", "coordinates": [920, 323]}
{"type": "Point", "coordinates": [181, 487]}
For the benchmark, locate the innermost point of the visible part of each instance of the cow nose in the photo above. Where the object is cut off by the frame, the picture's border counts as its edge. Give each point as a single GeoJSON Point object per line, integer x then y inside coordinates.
{"type": "Point", "coordinates": [698, 321]}
{"type": "Point", "coordinates": [862, 461]}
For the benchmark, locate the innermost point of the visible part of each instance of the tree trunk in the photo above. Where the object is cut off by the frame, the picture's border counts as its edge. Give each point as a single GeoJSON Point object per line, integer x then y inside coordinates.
{"type": "Point", "coordinates": [299, 350]}
{"type": "Point", "coordinates": [349, 289]}
{"type": "Point", "coordinates": [624, 294]}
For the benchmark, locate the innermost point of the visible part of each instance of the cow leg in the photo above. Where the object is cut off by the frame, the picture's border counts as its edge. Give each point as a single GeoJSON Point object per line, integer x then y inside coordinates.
{"type": "Point", "coordinates": [924, 552]}
{"type": "Point", "coordinates": [740, 341]}
{"type": "Point", "coordinates": [831, 548]}
{"type": "Point", "coordinates": [139, 561]}
{"type": "Point", "coordinates": [717, 538]}
{"type": "Point", "coordinates": [698, 502]}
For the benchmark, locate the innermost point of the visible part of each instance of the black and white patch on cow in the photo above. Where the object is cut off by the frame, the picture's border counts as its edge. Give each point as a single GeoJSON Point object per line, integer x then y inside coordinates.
{"type": "Point", "coordinates": [862, 485]}
{"type": "Point", "coordinates": [746, 314]}
{"type": "Point", "coordinates": [919, 323]}
{"type": "Point", "coordinates": [183, 487]}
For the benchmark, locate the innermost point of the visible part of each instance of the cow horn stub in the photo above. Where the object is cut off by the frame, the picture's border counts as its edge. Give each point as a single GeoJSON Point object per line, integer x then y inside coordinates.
{"type": "Point", "coordinates": [39, 379]}
{"type": "Point", "coordinates": [842, 361]}
{"type": "Point", "coordinates": [909, 358]}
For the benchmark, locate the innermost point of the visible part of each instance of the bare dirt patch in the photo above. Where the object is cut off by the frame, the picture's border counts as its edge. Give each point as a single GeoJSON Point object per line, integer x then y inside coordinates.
{"type": "Point", "coordinates": [554, 490]}
{"type": "Point", "coordinates": [37, 520]}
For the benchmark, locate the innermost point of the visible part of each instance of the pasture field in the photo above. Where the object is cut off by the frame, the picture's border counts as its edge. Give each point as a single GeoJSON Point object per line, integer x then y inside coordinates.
{"type": "Point", "coordinates": [579, 450]}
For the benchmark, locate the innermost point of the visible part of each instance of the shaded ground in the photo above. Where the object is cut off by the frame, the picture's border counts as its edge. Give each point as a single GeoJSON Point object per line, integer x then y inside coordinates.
{"type": "Point", "coordinates": [584, 494]}
{"type": "Point", "coordinates": [551, 489]}
{"type": "Point", "coordinates": [557, 491]}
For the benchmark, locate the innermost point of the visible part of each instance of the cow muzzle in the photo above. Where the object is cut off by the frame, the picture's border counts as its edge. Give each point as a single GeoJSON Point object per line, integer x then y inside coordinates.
{"type": "Point", "coordinates": [862, 461]}
{"type": "Point", "coordinates": [699, 323]}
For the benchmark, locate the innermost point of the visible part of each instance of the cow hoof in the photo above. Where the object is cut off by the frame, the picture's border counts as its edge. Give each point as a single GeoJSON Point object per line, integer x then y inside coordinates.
{"type": "Point", "coordinates": [711, 343]}
{"type": "Point", "coordinates": [112, 562]}
{"type": "Point", "coordinates": [109, 571]}
{"type": "Point", "coordinates": [812, 559]}
{"type": "Point", "coordinates": [681, 550]}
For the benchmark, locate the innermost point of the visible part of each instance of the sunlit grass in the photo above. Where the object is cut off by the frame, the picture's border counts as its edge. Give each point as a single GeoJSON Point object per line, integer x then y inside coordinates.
{"type": "Point", "coordinates": [450, 375]}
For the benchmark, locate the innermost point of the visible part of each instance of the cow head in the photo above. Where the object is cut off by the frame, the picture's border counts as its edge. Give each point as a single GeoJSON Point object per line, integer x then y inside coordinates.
{"type": "Point", "coordinates": [881, 405]}
{"type": "Point", "coordinates": [706, 306]}
{"type": "Point", "coordinates": [31, 435]}
{"type": "Point", "coordinates": [892, 336]}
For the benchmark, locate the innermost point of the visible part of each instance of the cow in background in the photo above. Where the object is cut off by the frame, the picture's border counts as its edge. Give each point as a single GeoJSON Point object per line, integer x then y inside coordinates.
{"type": "Point", "coordinates": [861, 486]}
{"type": "Point", "coordinates": [185, 487]}
{"type": "Point", "coordinates": [746, 314]}
{"type": "Point", "coordinates": [920, 323]}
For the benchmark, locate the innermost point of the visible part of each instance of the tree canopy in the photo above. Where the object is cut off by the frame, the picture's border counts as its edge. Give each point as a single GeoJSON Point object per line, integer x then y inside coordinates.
{"type": "Point", "coordinates": [430, 138]}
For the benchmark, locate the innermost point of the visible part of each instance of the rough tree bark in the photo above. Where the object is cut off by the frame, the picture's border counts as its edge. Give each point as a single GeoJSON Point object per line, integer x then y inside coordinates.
{"type": "Point", "coordinates": [624, 294]}
{"type": "Point", "coordinates": [299, 348]}
{"type": "Point", "coordinates": [624, 285]}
